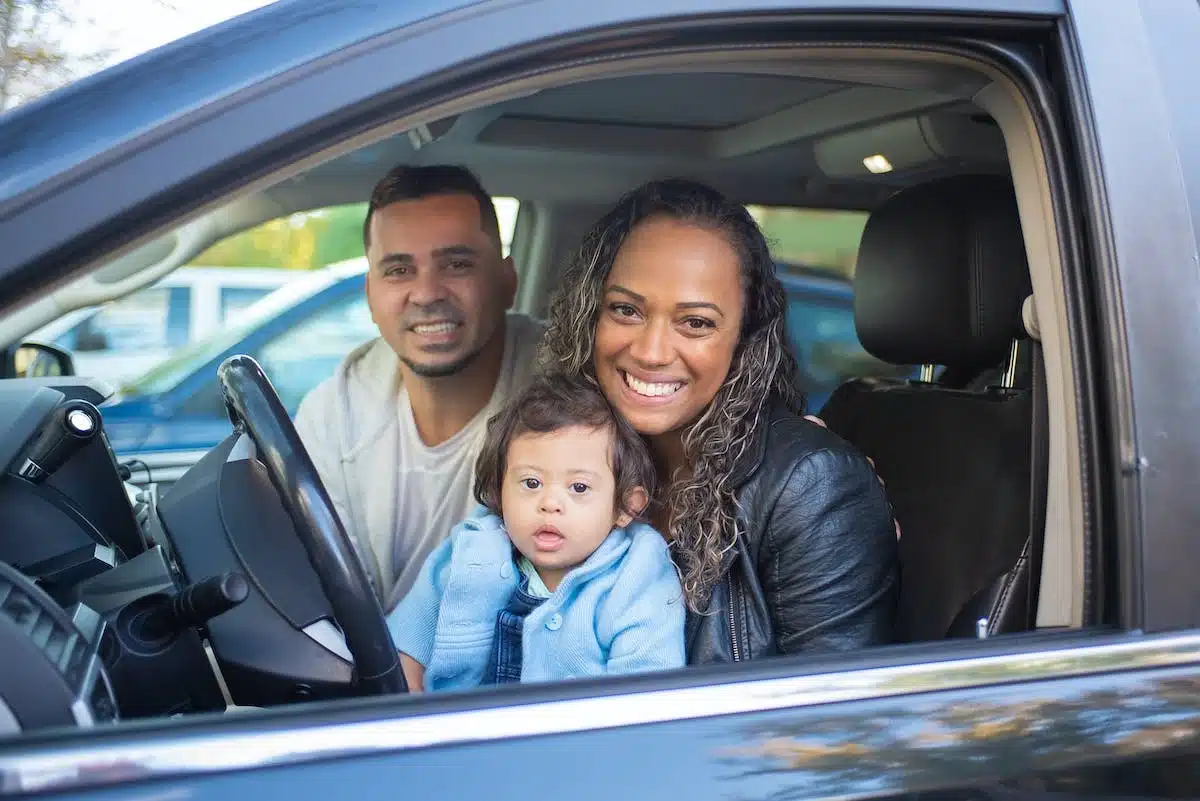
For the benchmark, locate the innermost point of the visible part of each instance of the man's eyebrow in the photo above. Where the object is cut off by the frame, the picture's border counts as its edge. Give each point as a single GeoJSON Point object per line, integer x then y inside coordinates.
{"type": "Point", "coordinates": [455, 250]}
{"type": "Point", "coordinates": [396, 258]}
{"type": "Point", "coordinates": [697, 304]}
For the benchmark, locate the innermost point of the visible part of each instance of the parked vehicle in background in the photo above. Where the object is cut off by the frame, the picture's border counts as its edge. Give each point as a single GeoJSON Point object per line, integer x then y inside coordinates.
{"type": "Point", "coordinates": [1031, 174]}
{"type": "Point", "coordinates": [171, 415]}
{"type": "Point", "coordinates": [125, 337]}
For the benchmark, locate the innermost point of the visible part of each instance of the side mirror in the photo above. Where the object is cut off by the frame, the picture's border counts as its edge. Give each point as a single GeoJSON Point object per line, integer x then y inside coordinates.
{"type": "Point", "coordinates": [36, 360]}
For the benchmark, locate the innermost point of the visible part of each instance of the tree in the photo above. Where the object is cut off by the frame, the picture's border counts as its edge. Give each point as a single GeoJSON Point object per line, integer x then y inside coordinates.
{"type": "Point", "coordinates": [303, 241]}
{"type": "Point", "coordinates": [33, 58]}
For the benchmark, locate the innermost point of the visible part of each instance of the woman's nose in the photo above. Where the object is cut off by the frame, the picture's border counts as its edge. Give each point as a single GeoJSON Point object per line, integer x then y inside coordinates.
{"type": "Point", "coordinates": [652, 344]}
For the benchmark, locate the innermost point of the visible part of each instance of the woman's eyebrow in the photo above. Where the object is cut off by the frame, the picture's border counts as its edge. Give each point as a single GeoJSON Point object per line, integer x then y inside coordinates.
{"type": "Point", "coordinates": [696, 304]}
{"type": "Point", "coordinates": [699, 304]}
{"type": "Point", "coordinates": [627, 292]}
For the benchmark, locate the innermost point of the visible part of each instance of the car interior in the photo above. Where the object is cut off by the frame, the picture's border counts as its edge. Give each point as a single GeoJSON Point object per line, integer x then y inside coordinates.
{"type": "Point", "coordinates": [205, 595]}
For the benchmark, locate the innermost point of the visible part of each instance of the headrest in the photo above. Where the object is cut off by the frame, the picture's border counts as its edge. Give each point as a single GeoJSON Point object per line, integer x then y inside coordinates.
{"type": "Point", "coordinates": [942, 274]}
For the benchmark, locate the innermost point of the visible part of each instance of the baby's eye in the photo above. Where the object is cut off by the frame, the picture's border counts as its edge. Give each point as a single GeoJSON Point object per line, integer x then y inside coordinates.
{"type": "Point", "coordinates": [579, 487]}
{"type": "Point", "coordinates": [531, 483]}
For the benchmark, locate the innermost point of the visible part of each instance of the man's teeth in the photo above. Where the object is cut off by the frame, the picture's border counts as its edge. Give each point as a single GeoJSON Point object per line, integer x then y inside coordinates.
{"type": "Point", "coordinates": [651, 390]}
{"type": "Point", "coordinates": [434, 328]}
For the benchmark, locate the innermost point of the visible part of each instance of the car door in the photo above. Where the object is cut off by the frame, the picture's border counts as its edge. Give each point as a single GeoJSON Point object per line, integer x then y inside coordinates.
{"type": "Point", "coordinates": [1110, 709]}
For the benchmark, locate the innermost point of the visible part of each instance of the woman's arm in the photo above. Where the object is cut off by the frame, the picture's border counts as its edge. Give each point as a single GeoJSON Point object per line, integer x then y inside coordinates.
{"type": "Point", "coordinates": [829, 565]}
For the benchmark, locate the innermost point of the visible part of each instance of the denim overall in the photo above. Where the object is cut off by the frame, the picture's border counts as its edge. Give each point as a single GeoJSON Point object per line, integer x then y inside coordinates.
{"type": "Point", "coordinates": [504, 665]}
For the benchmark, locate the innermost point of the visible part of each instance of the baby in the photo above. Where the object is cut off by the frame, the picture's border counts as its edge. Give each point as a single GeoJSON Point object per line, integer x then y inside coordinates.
{"type": "Point", "coordinates": [553, 577]}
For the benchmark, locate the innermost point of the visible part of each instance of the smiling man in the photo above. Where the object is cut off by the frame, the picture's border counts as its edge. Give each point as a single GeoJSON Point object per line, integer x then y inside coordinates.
{"type": "Point", "coordinates": [395, 432]}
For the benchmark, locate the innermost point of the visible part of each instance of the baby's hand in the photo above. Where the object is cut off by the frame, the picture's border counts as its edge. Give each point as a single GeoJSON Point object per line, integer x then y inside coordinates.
{"type": "Point", "coordinates": [414, 673]}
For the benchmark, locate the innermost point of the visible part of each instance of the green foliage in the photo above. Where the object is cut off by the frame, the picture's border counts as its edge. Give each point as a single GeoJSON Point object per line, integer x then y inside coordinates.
{"type": "Point", "coordinates": [33, 58]}
{"type": "Point", "coordinates": [814, 237]}
{"type": "Point", "coordinates": [299, 242]}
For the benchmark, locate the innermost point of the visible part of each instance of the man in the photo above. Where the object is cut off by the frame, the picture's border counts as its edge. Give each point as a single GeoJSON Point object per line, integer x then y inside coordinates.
{"type": "Point", "coordinates": [395, 432]}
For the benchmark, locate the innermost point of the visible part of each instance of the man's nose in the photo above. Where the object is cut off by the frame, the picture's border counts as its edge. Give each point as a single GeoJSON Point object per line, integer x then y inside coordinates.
{"type": "Point", "coordinates": [427, 288]}
{"type": "Point", "coordinates": [652, 344]}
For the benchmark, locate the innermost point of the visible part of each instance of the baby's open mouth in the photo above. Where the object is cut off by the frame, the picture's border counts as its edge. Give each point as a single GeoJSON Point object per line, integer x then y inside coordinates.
{"type": "Point", "coordinates": [548, 538]}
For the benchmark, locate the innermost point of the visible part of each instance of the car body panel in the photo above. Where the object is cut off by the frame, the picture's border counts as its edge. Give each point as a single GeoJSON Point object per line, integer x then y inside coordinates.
{"type": "Point", "coordinates": [1024, 718]}
{"type": "Point", "coordinates": [996, 722]}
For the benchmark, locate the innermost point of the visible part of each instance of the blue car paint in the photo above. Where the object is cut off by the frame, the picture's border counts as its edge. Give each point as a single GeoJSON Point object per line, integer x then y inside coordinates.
{"type": "Point", "coordinates": [163, 422]}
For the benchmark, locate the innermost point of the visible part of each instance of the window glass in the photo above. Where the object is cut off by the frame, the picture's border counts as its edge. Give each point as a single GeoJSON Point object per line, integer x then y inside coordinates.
{"type": "Point", "coordinates": [312, 239]}
{"type": "Point", "coordinates": [813, 239]}
{"type": "Point", "coordinates": [235, 299]}
{"type": "Point", "coordinates": [152, 319]}
{"type": "Point", "coordinates": [815, 252]}
{"type": "Point", "coordinates": [306, 354]}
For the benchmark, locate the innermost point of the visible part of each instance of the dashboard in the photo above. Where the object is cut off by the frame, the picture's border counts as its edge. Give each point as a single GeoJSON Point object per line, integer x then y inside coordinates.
{"type": "Point", "coordinates": [117, 602]}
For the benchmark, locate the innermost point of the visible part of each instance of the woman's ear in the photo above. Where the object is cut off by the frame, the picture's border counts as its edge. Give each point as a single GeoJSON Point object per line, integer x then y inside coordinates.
{"type": "Point", "coordinates": [635, 502]}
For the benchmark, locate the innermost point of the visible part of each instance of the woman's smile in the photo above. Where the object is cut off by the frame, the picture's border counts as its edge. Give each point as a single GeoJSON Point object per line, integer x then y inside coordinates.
{"type": "Point", "coordinates": [659, 391]}
{"type": "Point", "coordinates": [669, 323]}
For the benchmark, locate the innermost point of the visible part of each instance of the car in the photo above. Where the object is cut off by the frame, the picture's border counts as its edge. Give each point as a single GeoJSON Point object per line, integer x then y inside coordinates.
{"type": "Point", "coordinates": [121, 339]}
{"type": "Point", "coordinates": [217, 640]}
{"type": "Point", "coordinates": [168, 418]}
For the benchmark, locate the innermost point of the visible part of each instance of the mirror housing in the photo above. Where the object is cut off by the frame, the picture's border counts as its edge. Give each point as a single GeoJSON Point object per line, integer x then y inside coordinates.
{"type": "Point", "coordinates": [36, 360]}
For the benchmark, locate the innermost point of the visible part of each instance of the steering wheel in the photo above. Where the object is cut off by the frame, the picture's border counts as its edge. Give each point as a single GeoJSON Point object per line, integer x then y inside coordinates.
{"type": "Point", "coordinates": [255, 409]}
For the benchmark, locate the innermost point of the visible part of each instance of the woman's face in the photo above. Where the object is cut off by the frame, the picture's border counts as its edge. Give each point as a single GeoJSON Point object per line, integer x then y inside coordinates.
{"type": "Point", "coordinates": [669, 322]}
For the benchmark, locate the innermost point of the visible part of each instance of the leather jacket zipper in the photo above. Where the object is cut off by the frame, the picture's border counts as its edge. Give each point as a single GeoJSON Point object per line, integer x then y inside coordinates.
{"type": "Point", "coordinates": [733, 638]}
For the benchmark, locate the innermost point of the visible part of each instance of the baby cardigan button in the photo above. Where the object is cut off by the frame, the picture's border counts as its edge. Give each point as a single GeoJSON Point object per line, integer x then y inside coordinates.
{"type": "Point", "coordinates": [555, 622]}
{"type": "Point", "coordinates": [506, 570]}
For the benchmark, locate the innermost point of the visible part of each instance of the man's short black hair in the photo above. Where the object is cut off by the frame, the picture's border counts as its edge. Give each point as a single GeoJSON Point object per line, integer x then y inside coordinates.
{"type": "Point", "coordinates": [407, 182]}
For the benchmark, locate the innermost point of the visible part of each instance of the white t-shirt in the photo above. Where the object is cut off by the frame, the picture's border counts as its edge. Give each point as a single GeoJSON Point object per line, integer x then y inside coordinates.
{"type": "Point", "coordinates": [435, 486]}
{"type": "Point", "coordinates": [396, 497]}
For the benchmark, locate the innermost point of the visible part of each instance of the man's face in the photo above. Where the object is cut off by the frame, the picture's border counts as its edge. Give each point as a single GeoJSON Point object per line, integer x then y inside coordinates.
{"type": "Point", "coordinates": [438, 286]}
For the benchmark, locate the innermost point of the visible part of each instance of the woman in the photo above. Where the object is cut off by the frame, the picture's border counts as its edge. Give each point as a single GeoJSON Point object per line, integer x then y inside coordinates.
{"type": "Point", "coordinates": [781, 531]}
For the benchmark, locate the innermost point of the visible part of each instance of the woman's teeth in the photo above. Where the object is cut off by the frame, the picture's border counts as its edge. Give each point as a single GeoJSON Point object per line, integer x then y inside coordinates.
{"type": "Point", "coordinates": [652, 390]}
{"type": "Point", "coordinates": [434, 328]}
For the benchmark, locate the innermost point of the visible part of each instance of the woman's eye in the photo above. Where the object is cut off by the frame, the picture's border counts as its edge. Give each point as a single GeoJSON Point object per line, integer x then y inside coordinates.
{"type": "Point", "coordinates": [623, 310]}
{"type": "Point", "coordinates": [460, 266]}
{"type": "Point", "coordinates": [531, 483]}
{"type": "Point", "coordinates": [579, 488]}
{"type": "Point", "coordinates": [698, 324]}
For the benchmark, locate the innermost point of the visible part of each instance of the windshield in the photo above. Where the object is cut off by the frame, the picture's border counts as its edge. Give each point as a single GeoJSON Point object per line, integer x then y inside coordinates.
{"type": "Point", "coordinates": [167, 374]}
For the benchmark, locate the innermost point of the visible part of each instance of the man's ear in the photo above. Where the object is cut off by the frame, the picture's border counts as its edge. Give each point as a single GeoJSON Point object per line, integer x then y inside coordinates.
{"type": "Point", "coordinates": [635, 501]}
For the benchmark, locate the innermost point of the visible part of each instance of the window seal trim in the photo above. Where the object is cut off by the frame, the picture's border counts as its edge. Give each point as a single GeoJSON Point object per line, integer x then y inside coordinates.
{"type": "Point", "coordinates": [148, 754]}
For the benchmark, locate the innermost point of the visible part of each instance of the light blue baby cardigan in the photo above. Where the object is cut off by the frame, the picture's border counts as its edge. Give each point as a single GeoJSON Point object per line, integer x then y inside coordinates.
{"type": "Point", "coordinates": [621, 611]}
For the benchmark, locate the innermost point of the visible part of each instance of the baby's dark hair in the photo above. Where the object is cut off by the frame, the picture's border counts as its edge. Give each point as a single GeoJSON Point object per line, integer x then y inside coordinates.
{"type": "Point", "coordinates": [550, 403]}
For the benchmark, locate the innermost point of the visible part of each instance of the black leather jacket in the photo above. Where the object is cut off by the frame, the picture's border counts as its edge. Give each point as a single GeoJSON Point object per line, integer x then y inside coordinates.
{"type": "Point", "coordinates": [815, 567]}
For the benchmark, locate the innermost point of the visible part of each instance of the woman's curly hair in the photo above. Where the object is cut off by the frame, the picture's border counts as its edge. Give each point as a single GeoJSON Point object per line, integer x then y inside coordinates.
{"type": "Point", "coordinates": [703, 523]}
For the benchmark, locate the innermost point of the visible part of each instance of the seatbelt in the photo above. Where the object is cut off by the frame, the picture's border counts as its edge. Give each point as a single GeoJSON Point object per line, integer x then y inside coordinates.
{"type": "Point", "coordinates": [1039, 468]}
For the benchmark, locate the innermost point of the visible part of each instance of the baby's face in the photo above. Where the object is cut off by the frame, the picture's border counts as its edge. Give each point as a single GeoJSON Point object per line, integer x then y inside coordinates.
{"type": "Point", "coordinates": [558, 497]}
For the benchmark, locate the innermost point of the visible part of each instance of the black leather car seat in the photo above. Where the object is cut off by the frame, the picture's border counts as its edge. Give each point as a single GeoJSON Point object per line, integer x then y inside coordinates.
{"type": "Point", "coordinates": [941, 279]}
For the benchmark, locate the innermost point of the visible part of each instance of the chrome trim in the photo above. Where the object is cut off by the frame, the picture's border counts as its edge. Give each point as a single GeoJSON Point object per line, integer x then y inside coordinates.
{"type": "Point", "coordinates": [242, 450]}
{"type": "Point", "coordinates": [1010, 367]}
{"type": "Point", "coordinates": [330, 637]}
{"type": "Point", "coordinates": [87, 764]}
